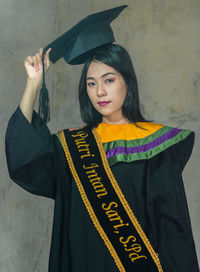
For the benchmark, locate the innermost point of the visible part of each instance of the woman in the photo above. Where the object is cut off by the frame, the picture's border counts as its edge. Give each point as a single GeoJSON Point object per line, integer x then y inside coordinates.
{"type": "Point", "coordinates": [146, 162]}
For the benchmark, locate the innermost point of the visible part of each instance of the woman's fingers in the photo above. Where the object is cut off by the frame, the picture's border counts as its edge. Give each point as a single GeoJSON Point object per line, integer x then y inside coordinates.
{"type": "Point", "coordinates": [33, 64]}
{"type": "Point", "coordinates": [40, 51]}
{"type": "Point", "coordinates": [29, 60]}
{"type": "Point", "coordinates": [47, 57]}
{"type": "Point", "coordinates": [35, 61]}
{"type": "Point", "coordinates": [48, 51]}
{"type": "Point", "coordinates": [39, 61]}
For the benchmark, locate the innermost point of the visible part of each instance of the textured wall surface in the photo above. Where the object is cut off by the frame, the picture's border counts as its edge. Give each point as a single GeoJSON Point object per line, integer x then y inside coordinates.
{"type": "Point", "coordinates": [162, 38]}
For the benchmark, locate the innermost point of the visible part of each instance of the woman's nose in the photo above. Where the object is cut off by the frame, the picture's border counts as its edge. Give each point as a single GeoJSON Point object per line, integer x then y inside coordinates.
{"type": "Point", "coordinates": [101, 90]}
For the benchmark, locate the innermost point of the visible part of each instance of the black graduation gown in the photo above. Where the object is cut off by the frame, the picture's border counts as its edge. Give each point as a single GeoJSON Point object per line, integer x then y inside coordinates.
{"type": "Point", "coordinates": [153, 188]}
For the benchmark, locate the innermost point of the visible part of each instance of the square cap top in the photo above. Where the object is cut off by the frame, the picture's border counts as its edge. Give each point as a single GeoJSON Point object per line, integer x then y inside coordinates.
{"type": "Point", "coordinates": [92, 31]}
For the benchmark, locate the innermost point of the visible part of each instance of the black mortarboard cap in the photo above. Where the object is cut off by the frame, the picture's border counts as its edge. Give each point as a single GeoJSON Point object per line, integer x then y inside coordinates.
{"type": "Point", "coordinates": [76, 44]}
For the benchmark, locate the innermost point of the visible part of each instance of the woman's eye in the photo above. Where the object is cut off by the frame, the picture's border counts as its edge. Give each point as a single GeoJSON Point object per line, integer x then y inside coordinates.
{"type": "Point", "coordinates": [109, 80]}
{"type": "Point", "coordinates": [91, 84]}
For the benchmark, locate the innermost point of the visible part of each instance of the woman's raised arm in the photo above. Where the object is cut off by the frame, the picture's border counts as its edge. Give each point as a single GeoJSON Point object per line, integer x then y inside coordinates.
{"type": "Point", "coordinates": [33, 66]}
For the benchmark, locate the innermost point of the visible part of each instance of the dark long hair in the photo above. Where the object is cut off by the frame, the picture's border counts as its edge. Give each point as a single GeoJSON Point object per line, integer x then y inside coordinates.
{"type": "Point", "coordinates": [117, 57]}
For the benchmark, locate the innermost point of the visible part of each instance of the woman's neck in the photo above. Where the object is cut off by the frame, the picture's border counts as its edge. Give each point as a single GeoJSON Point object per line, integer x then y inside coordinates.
{"type": "Point", "coordinates": [116, 121]}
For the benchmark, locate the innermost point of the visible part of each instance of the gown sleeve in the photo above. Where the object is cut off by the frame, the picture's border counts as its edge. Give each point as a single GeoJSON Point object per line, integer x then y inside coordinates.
{"type": "Point", "coordinates": [31, 154]}
{"type": "Point", "coordinates": [168, 209]}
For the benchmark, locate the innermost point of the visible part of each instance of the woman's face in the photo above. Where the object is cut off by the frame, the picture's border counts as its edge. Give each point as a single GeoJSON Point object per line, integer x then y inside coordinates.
{"type": "Point", "coordinates": [107, 90]}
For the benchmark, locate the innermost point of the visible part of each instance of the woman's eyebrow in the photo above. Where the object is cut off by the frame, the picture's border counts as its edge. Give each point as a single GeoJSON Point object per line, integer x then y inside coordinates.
{"type": "Point", "coordinates": [104, 75]}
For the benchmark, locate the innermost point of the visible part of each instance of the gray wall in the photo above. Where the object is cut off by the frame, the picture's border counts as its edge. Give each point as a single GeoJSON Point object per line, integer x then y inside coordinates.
{"type": "Point", "coordinates": [163, 40]}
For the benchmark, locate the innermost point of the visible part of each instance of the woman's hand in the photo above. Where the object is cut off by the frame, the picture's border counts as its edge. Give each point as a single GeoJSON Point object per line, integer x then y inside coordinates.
{"type": "Point", "coordinates": [33, 65]}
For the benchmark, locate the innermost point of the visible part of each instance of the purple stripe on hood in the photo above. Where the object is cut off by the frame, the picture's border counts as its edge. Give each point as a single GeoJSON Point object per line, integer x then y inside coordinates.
{"type": "Point", "coordinates": [142, 148]}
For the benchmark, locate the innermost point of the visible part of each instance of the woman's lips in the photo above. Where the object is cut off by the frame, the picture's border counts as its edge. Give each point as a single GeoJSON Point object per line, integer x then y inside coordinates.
{"type": "Point", "coordinates": [103, 103]}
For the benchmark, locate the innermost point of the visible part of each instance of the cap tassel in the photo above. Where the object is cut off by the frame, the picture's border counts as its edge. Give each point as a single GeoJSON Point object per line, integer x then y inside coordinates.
{"type": "Point", "coordinates": [44, 109]}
